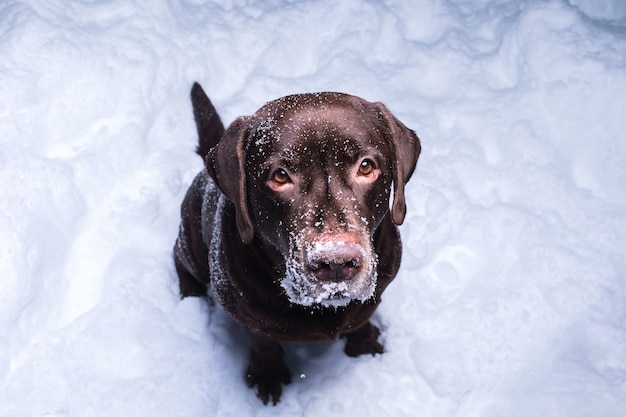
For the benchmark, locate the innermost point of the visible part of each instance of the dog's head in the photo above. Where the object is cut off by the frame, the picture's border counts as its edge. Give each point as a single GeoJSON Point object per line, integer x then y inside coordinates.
{"type": "Point", "coordinates": [311, 175]}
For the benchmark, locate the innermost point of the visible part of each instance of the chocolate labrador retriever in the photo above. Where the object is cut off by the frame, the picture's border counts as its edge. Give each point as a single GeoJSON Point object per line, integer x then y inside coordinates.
{"type": "Point", "coordinates": [290, 223]}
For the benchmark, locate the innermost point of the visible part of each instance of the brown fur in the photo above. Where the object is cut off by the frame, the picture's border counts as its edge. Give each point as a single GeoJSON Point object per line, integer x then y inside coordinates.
{"type": "Point", "coordinates": [289, 260]}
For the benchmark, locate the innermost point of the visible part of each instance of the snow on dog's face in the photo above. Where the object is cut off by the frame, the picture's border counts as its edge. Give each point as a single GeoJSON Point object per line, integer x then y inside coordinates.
{"type": "Point", "coordinates": [330, 270]}
{"type": "Point", "coordinates": [315, 176]}
{"type": "Point", "coordinates": [320, 184]}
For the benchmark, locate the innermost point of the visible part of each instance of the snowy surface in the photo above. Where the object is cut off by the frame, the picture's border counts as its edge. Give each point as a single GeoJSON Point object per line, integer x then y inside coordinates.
{"type": "Point", "coordinates": [512, 296]}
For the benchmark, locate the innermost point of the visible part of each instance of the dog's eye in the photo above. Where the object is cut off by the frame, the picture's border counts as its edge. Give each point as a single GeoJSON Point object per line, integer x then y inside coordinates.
{"type": "Point", "coordinates": [366, 167]}
{"type": "Point", "coordinates": [280, 177]}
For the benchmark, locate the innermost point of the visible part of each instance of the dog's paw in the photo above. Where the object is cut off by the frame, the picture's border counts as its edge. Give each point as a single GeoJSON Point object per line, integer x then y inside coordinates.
{"type": "Point", "coordinates": [363, 341]}
{"type": "Point", "coordinates": [269, 382]}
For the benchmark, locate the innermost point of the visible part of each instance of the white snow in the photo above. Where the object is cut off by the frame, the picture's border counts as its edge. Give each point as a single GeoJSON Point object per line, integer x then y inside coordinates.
{"type": "Point", "coordinates": [511, 300]}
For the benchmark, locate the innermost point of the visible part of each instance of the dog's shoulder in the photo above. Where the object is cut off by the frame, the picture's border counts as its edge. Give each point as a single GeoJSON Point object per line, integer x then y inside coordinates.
{"type": "Point", "coordinates": [197, 211]}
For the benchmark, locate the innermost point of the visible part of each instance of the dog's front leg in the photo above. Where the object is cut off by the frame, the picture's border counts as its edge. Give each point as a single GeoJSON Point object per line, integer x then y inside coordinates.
{"type": "Point", "coordinates": [266, 369]}
{"type": "Point", "coordinates": [363, 340]}
{"type": "Point", "coordinates": [189, 286]}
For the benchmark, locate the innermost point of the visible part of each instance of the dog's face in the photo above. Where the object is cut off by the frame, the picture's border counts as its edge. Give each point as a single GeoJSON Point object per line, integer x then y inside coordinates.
{"type": "Point", "coordinates": [311, 176]}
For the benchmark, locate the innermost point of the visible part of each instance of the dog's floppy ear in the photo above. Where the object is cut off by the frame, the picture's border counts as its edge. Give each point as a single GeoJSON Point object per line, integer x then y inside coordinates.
{"type": "Point", "coordinates": [406, 148]}
{"type": "Point", "coordinates": [225, 163]}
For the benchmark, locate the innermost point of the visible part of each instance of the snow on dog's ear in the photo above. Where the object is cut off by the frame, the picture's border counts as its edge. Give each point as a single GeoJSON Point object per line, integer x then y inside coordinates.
{"type": "Point", "coordinates": [225, 164]}
{"type": "Point", "coordinates": [406, 148]}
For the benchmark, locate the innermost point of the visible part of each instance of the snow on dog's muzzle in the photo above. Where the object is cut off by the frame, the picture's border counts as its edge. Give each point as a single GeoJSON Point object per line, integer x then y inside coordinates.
{"type": "Point", "coordinates": [331, 271]}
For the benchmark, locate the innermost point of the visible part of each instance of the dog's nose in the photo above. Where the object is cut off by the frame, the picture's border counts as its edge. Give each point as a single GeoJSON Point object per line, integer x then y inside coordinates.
{"type": "Point", "coordinates": [335, 260]}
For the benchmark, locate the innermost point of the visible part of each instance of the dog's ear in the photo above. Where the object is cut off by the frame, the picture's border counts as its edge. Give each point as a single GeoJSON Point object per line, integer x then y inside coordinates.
{"type": "Point", "coordinates": [208, 122]}
{"type": "Point", "coordinates": [405, 148]}
{"type": "Point", "coordinates": [225, 164]}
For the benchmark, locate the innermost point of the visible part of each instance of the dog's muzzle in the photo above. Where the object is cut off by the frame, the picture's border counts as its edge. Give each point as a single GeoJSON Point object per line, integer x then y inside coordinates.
{"type": "Point", "coordinates": [330, 271]}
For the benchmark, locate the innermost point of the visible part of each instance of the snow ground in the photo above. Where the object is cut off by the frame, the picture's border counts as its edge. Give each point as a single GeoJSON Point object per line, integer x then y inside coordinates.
{"type": "Point", "coordinates": [512, 296]}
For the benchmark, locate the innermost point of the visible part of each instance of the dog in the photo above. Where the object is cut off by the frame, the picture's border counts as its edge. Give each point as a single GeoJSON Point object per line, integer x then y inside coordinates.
{"type": "Point", "coordinates": [290, 224]}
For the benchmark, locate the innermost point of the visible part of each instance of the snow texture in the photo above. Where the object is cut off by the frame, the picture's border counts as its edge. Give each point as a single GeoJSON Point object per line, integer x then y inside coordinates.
{"type": "Point", "coordinates": [511, 300]}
